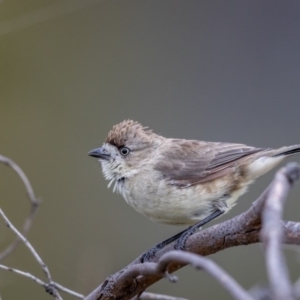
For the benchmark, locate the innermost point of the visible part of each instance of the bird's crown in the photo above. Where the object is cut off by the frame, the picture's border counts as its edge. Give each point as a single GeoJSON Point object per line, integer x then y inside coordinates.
{"type": "Point", "coordinates": [129, 131]}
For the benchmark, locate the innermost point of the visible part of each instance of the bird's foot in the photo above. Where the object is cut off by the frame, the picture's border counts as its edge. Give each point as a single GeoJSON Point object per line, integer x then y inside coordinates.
{"type": "Point", "coordinates": [148, 255]}
{"type": "Point", "coordinates": [180, 243]}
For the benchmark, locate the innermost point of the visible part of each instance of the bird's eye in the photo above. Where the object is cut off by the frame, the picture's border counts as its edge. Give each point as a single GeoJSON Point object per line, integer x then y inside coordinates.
{"type": "Point", "coordinates": [124, 151]}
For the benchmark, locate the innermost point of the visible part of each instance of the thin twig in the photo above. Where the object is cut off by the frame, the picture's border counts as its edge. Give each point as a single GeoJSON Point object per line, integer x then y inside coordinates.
{"type": "Point", "coordinates": [68, 291]}
{"type": "Point", "coordinates": [33, 252]}
{"type": "Point", "coordinates": [144, 269]}
{"type": "Point", "coordinates": [152, 296]}
{"type": "Point", "coordinates": [199, 262]}
{"type": "Point", "coordinates": [34, 202]}
{"type": "Point", "coordinates": [42, 283]}
{"type": "Point", "coordinates": [25, 274]}
{"type": "Point", "coordinates": [272, 233]}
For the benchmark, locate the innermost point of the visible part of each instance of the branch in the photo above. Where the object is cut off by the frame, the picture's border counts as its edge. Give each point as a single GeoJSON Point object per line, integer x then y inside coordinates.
{"type": "Point", "coordinates": [51, 287]}
{"type": "Point", "coordinates": [41, 282]}
{"type": "Point", "coordinates": [152, 296]}
{"type": "Point", "coordinates": [272, 233]}
{"type": "Point", "coordinates": [244, 229]}
{"type": "Point", "coordinates": [35, 254]}
{"type": "Point", "coordinates": [199, 262]}
{"type": "Point", "coordinates": [33, 201]}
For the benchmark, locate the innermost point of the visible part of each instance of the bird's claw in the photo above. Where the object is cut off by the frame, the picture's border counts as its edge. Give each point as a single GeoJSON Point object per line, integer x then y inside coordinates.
{"type": "Point", "coordinates": [148, 256]}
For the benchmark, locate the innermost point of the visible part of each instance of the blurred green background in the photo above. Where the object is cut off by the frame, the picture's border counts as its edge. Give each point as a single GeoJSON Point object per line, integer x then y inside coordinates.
{"type": "Point", "coordinates": [212, 70]}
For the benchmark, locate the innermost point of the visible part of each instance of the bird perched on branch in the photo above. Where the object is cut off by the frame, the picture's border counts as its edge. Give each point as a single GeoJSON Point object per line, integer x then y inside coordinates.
{"type": "Point", "coordinates": [178, 181]}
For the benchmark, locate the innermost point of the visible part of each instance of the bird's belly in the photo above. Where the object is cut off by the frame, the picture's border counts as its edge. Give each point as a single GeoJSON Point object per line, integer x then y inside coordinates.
{"type": "Point", "coordinates": [172, 205]}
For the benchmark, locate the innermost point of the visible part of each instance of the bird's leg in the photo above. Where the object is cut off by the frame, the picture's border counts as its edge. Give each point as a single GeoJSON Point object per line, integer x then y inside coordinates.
{"type": "Point", "coordinates": [150, 253]}
{"type": "Point", "coordinates": [181, 237]}
{"type": "Point", "coordinates": [180, 243]}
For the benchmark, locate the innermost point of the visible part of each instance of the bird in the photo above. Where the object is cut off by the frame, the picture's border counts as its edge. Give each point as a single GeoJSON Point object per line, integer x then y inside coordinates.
{"type": "Point", "coordinates": [180, 181]}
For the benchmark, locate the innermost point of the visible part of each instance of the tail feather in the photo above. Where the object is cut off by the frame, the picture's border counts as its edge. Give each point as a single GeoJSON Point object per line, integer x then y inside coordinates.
{"type": "Point", "coordinates": [270, 159]}
{"type": "Point", "coordinates": [289, 150]}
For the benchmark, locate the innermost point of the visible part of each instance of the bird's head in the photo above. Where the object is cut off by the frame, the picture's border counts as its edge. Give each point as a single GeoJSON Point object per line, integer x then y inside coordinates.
{"type": "Point", "coordinates": [127, 150]}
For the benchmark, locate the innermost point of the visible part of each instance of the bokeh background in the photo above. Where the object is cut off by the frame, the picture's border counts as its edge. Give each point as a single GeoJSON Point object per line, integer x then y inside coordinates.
{"type": "Point", "coordinates": [212, 70]}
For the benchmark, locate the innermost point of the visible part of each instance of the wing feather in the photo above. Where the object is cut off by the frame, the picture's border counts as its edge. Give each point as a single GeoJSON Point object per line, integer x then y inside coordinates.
{"type": "Point", "coordinates": [187, 162]}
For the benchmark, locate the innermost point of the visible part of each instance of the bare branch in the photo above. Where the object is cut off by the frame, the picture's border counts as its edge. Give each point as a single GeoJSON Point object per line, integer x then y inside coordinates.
{"type": "Point", "coordinates": [33, 201]}
{"type": "Point", "coordinates": [291, 232]}
{"type": "Point", "coordinates": [32, 250]}
{"type": "Point", "coordinates": [7, 161]}
{"type": "Point", "coordinates": [152, 296]}
{"type": "Point", "coordinates": [51, 287]}
{"type": "Point", "coordinates": [272, 233]}
{"type": "Point", "coordinates": [208, 241]}
{"type": "Point", "coordinates": [145, 269]}
{"type": "Point", "coordinates": [66, 290]}
{"type": "Point", "coordinates": [25, 274]}
{"type": "Point", "coordinates": [42, 283]}
{"type": "Point", "coordinates": [199, 262]}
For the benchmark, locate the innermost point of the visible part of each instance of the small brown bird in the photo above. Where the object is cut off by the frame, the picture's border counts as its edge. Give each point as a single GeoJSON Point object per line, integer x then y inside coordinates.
{"type": "Point", "coordinates": [177, 181]}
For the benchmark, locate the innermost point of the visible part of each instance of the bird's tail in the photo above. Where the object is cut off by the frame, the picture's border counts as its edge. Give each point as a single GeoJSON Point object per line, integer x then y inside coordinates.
{"type": "Point", "coordinates": [269, 159]}
{"type": "Point", "coordinates": [286, 151]}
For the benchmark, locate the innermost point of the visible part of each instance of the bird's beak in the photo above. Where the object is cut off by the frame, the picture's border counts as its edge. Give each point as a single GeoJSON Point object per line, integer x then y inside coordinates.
{"type": "Point", "coordinates": [101, 153]}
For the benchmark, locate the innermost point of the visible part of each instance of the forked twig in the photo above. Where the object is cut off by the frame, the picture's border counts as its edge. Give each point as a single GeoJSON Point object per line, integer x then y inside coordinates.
{"type": "Point", "coordinates": [41, 282]}
{"type": "Point", "coordinates": [34, 202]}
{"type": "Point", "coordinates": [51, 287]}
{"type": "Point", "coordinates": [34, 253]}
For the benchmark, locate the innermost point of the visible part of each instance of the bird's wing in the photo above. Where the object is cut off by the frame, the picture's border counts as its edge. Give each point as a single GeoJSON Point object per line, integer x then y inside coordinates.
{"type": "Point", "coordinates": [187, 162]}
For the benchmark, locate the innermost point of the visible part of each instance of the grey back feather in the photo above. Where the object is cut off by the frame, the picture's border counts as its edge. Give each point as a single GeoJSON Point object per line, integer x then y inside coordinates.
{"type": "Point", "coordinates": [188, 162]}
